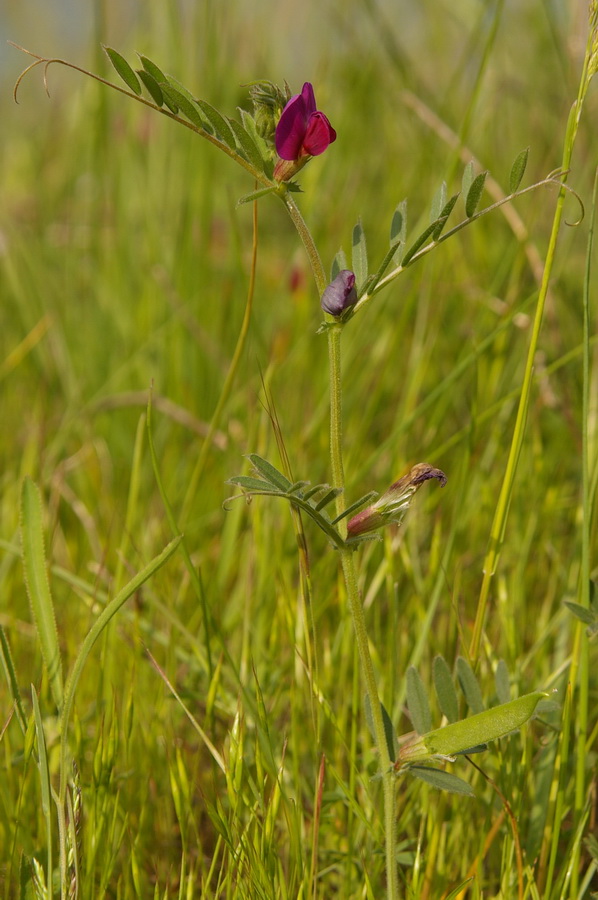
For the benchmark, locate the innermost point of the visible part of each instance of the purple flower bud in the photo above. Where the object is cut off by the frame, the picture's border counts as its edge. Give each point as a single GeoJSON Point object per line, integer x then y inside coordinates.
{"type": "Point", "coordinates": [394, 503]}
{"type": "Point", "coordinates": [340, 293]}
{"type": "Point", "coordinates": [302, 131]}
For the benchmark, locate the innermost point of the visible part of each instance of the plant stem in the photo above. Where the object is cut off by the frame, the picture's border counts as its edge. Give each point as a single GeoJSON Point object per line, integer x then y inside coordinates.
{"type": "Point", "coordinates": [347, 556]}
{"type": "Point", "coordinates": [388, 779]}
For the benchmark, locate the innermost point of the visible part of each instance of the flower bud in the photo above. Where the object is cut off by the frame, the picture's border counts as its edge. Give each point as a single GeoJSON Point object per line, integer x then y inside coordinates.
{"type": "Point", "coordinates": [268, 103]}
{"type": "Point", "coordinates": [394, 503]}
{"type": "Point", "coordinates": [340, 293]}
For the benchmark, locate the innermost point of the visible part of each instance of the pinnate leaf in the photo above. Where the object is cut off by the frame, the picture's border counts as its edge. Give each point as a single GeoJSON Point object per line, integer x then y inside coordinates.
{"type": "Point", "coordinates": [254, 485]}
{"type": "Point", "coordinates": [152, 69]}
{"type": "Point", "coordinates": [582, 613]}
{"type": "Point", "coordinates": [443, 217]}
{"type": "Point", "coordinates": [182, 103]}
{"type": "Point", "coordinates": [421, 240]}
{"type": "Point", "coordinates": [469, 685]}
{"type": "Point", "coordinates": [339, 264]}
{"type": "Point", "coordinates": [219, 124]}
{"type": "Point", "coordinates": [438, 202]}
{"type": "Point", "coordinates": [417, 702]}
{"type": "Point", "coordinates": [502, 682]}
{"type": "Point", "coordinates": [467, 180]}
{"type": "Point", "coordinates": [269, 472]}
{"type": "Point", "coordinates": [152, 87]}
{"type": "Point", "coordinates": [247, 145]}
{"type": "Point", "coordinates": [444, 781]}
{"type": "Point", "coordinates": [445, 689]}
{"type": "Point", "coordinates": [124, 70]}
{"type": "Point", "coordinates": [398, 230]}
{"type": "Point", "coordinates": [359, 256]}
{"type": "Point", "coordinates": [474, 194]}
{"type": "Point", "coordinates": [518, 170]}
{"type": "Point", "coordinates": [389, 730]}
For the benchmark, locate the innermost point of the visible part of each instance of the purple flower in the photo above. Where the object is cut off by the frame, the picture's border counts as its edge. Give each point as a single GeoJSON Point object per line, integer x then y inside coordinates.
{"type": "Point", "coordinates": [340, 293]}
{"type": "Point", "coordinates": [302, 131]}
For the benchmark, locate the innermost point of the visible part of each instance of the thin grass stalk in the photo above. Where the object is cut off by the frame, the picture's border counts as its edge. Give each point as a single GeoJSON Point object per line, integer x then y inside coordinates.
{"type": "Point", "coordinates": [581, 658]}
{"type": "Point", "coordinates": [229, 379]}
{"type": "Point", "coordinates": [552, 830]}
{"type": "Point", "coordinates": [497, 530]}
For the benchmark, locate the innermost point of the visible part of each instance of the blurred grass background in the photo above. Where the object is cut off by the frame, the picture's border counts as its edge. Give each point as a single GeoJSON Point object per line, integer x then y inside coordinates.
{"type": "Point", "coordinates": [125, 263]}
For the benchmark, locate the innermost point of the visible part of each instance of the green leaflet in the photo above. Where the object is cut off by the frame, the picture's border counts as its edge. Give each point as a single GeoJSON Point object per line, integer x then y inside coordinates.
{"type": "Point", "coordinates": [474, 194]}
{"type": "Point", "coordinates": [518, 170]}
{"type": "Point", "coordinates": [443, 781]}
{"type": "Point", "coordinates": [445, 689]}
{"type": "Point", "coordinates": [359, 256]}
{"type": "Point", "coordinates": [417, 702]}
{"type": "Point", "coordinates": [124, 70]}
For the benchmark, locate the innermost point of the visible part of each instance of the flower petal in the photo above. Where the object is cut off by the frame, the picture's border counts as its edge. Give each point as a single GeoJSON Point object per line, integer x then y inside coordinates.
{"type": "Point", "coordinates": [340, 293]}
{"type": "Point", "coordinates": [291, 128]}
{"type": "Point", "coordinates": [307, 93]}
{"type": "Point", "coordinates": [318, 136]}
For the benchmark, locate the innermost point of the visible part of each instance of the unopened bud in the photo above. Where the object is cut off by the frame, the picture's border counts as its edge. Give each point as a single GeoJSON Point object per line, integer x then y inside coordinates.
{"type": "Point", "coordinates": [340, 293]}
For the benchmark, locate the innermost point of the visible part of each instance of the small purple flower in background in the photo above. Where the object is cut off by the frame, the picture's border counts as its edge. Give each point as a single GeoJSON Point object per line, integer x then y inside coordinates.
{"type": "Point", "coordinates": [302, 132]}
{"type": "Point", "coordinates": [340, 293]}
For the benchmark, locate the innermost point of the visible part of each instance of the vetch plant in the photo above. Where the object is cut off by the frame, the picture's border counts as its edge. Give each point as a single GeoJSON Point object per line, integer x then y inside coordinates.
{"type": "Point", "coordinates": [273, 144]}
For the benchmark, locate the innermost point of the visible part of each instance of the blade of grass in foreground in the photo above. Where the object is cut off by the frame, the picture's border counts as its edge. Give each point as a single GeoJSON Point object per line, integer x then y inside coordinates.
{"type": "Point", "coordinates": [105, 616]}
{"type": "Point", "coordinates": [38, 586]}
{"type": "Point", "coordinates": [499, 523]}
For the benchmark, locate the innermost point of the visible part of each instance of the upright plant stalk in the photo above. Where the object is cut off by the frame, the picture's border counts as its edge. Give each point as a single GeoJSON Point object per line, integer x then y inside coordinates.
{"type": "Point", "coordinates": [348, 556]}
{"type": "Point", "coordinates": [581, 654]}
{"type": "Point", "coordinates": [228, 381]}
{"type": "Point", "coordinates": [502, 508]}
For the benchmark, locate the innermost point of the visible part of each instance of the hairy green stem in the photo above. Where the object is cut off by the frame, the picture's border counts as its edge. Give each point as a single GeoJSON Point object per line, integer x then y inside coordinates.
{"type": "Point", "coordinates": [388, 778]}
{"type": "Point", "coordinates": [347, 556]}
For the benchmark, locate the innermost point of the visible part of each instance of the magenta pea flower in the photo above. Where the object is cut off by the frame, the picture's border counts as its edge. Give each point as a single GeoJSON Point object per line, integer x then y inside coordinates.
{"type": "Point", "coordinates": [302, 132]}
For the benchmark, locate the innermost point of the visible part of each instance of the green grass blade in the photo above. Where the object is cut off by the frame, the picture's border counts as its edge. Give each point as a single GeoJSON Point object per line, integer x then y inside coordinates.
{"type": "Point", "coordinates": [11, 679]}
{"type": "Point", "coordinates": [94, 633]}
{"type": "Point", "coordinates": [44, 779]}
{"type": "Point", "coordinates": [38, 585]}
